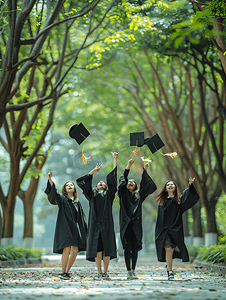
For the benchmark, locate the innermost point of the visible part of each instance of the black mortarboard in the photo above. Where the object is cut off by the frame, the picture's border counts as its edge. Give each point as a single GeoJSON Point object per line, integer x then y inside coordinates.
{"type": "Point", "coordinates": [154, 143]}
{"type": "Point", "coordinates": [79, 133]}
{"type": "Point", "coordinates": [137, 139]}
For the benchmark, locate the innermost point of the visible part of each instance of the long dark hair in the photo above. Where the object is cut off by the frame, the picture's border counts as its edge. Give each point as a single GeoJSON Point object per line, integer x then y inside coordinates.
{"type": "Point", "coordinates": [64, 190]}
{"type": "Point", "coordinates": [135, 191]}
{"type": "Point", "coordinates": [161, 198]}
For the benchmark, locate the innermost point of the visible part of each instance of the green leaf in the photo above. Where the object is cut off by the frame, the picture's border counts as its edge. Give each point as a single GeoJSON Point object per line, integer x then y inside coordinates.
{"type": "Point", "coordinates": [178, 42]}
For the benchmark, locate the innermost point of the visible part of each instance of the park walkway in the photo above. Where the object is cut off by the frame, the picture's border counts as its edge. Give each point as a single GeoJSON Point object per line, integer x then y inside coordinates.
{"type": "Point", "coordinates": [42, 282]}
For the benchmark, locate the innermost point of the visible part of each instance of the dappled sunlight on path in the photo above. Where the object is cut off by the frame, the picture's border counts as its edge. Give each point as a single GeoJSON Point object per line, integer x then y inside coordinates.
{"type": "Point", "coordinates": [43, 281]}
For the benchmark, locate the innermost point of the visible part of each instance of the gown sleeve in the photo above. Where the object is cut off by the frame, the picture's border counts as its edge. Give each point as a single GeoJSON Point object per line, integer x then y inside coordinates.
{"type": "Point", "coordinates": [189, 198]}
{"type": "Point", "coordinates": [123, 181]}
{"type": "Point", "coordinates": [112, 183]}
{"type": "Point", "coordinates": [53, 197]}
{"type": "Point", "coordinates": [147, 186]}
{"type": "Point", "coordinates": [85, 183]}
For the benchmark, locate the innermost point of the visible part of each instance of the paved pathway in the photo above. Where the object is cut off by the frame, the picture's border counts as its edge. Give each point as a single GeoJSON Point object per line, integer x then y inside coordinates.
{"type": "Point", "coordinates": [42, 282]}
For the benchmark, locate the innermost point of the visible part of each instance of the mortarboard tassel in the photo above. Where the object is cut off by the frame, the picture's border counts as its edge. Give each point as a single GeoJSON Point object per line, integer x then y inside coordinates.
{"type": "Point", "coordinates": [172, 154]}
{"type": "Point", "coordinates": [146, 159]}
{"type": "Point", "coordinates": [135, 151]}
{"type": "Point", "coordinates": [85, 159]}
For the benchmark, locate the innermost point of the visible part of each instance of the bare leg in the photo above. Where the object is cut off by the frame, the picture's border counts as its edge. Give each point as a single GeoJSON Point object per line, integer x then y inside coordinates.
{"type": "Point", "coordinates": [65, 258]}
{"type": "Point", "coordinates": [73, 255]}
{"type": "Point", "coordinates": [169, 258]}
{"type": "Point", "coordinates": [98, 262]}
{"type": "Point", "coordinates": [106, 260]}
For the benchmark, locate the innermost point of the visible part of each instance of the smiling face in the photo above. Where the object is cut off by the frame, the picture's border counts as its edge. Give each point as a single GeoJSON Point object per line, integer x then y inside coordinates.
{"type": "Point", "coordinates": [170, 187]}
{"type": "Point", "coordinates": [70, 187]}
{"type": "Point", "coordinates": [131, 185]}
{"type": "Point", "coordinates": [101, 186]}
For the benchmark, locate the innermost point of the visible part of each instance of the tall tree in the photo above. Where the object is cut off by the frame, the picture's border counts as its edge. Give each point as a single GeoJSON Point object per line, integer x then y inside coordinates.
{"type": "Point", "coordinates": [27, 25]}
{"type": "Point", "coordinates": [30, 113]}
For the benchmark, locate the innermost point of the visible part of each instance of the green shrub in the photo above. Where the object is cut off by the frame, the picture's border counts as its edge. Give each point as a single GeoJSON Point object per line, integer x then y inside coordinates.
{"type": "Point", "coordinates": [14, 253]}
{"type": "Point", "coordinates": [30, 253]}
{"type": "Point", "coordinates": [9, 253]}
{"type": "Point", "coordinates": [215, 254]}
{"type": "Point", "coordinates": [221, 240]}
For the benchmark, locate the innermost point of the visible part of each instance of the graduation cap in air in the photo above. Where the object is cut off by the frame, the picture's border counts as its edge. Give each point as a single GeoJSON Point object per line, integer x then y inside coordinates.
{"type": "Point", "coordinates": [154, 143]}
{"type": "Point", "coordinates": [79, 133]}
{"type": "Point", "coordinates": [137, 139]}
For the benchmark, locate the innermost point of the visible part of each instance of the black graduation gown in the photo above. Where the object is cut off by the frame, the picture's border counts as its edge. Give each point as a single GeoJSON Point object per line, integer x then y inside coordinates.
{"type": "Point", "coordinates": [169, 220]}
{"type": "Point", "coordinates": [102, 223]}
{"type": "Point", "coordinates": [131, 211]}
{"type": "Point", "coordinates": [71, 228]}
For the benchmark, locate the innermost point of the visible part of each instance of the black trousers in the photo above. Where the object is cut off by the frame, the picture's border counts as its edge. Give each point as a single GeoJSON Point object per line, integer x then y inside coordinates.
{"type": "Point", "coordinates": [131, 250]}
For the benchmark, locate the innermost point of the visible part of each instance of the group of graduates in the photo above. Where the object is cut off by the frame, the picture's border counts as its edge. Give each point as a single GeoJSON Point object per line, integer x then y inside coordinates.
{"type": "Point", "coordinates": [98, 238]}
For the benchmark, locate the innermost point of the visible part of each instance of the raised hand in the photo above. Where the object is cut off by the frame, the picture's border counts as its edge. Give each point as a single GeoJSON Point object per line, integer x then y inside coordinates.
{"type": "Point", "coordinates": [115, 154]}
{"type": "Point", "coordinates": [130, 162]}
{"type": "Point", "coordinates": [50, 178]}
{"type": "Point", "coordinates": [191, 180]}
{"type": "Point", "coordinates": [98, 167]}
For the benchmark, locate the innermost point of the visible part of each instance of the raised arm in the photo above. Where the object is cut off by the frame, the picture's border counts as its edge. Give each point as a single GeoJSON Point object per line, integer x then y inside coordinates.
{"type": "Point", "coordinates": [123, 179]}
{"type": "Point", "coordinates": [146, 166]}
{"type": "Point", "coordinates": [191, 180]}
{"type": "Point", "coordinates": [130, 162]}
{"type": "Point", "coordinates": [115, 155]}
{"type": "Point", "coordinates": [96, 169]}
{"type": "Point", "coordinates": [189, 196]}
{"type": "Point", "coordinates": [50, 178]}
{"type": "Point", "coordinates": [147, 185]}
{"type": "Point", "coordinates": [85, 182]}
{"type": "Point", "coordinates": [53, 196]}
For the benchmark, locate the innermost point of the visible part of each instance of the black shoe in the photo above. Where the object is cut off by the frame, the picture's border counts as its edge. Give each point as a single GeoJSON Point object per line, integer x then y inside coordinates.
{"type": "Point", "coordinates": [129, 275]}
{"type": "Point", "coordinates": [170, 275]}
{"type": "Point", "coordinates": [65, 276]}
{"type": "Point", "coordinates": [105, 275]}
{"type": "Point", "coordinates": [171, 271]}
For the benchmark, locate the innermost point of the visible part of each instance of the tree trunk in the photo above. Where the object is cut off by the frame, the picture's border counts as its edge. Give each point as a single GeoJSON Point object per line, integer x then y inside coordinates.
{"type": "Point", "coordinates": [198, 239]}
{"type": "Point", "coordinates": [197, 221]}
{"type": "Point", "coordinates": [8, 221]}
{"type": "Point", "coordinates": [28, 218]}
{"type": "Point", "coordinates": [211, 218]}
{"type": "Point", "coordinates": [9, 205]}
{"type": "Point", "coordinates": [28, 198]}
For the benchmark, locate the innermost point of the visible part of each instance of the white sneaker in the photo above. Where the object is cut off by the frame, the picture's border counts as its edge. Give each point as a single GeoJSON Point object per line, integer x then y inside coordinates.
{"type": "Point", "coordinates": [134, 275]}
{"type": "Point", "coordinates": [170, 275]}
{"type": "Point", "coordinates": [129, 275]}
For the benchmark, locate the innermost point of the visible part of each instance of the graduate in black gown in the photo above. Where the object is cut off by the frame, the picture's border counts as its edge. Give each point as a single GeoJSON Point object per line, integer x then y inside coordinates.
{"type": "Point", "coordinates": [131, 199]}
{"type": "Point", "coordinates": [169, 234]}
{"type": "Point", "coordinates": [101, 243]}
{"type": "Point", "coordinates": [71, 228]}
